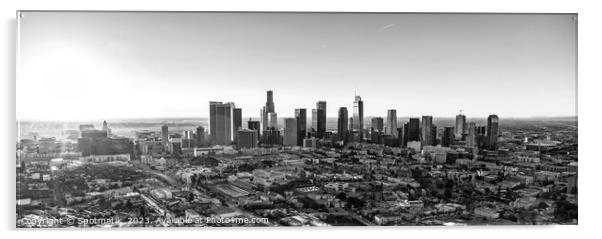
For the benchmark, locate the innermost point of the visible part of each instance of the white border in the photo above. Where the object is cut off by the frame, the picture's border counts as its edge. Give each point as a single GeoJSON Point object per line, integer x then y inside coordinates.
{"type": "Point", "coordinates": [588, 94]}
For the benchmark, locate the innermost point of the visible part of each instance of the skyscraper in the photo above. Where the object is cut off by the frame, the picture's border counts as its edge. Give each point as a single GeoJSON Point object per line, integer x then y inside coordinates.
{"type": "Point", "coordinates": [165, 137]}
{"type": "Point", "coordinates": [254, 125]}
{"type": "Point", "coordinates": [377, 124]}
{"type": "Point", "coordinates": [301, 116]}
{"type": "Point", "coordinates": [358, 116]}
{"type": "Point", "coordinates": [492, 131]}
{"type": "Point", "coordinates": [414, 129]}
{"type": "Point", "coordinates": [200, 136]}
{"type": "Point", "coordinates": [427, 131]}
{"type": "Point", "coordinates": [267, 109]}
{"type": "Point", "coordinates": [247, 138]}
{"type": "Point", "coordinates": [236, 121]}
{"type": "Point", "coordinates": [269, 104]}
{"type": "Point", "coordinates": [460, 125]}
{"type": "Point", "coordinates": [471, 138]}
{"type": "Point", "coordinates": [321, 110]}
{"type": "Point", "coordinates": [290, 131]}
{"type": "Point", "coordinates": [314, 122]}
{"type": "Point", "coordinates": [222, 122]}
{"type": "Point", "coordinates": [212, 120]}
{"type": "Point", "coordinates": [448, 136]}
{"type": "Point", "coordinates": [273, 120]}
{"type": "Point", "coordinates": [392, 122]}
{"type": "Point", "coordinates": [342, 123]}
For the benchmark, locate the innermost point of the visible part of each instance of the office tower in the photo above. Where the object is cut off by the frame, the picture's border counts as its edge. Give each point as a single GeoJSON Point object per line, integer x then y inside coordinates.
{"type": "Point", "coordinates": [314, 121]}
{"type": "Point", "coordinates": [200, 136]}
{"type": "Point", "coordinates": [247, 138]}
{"type": "Point", "coordinates": [391, 123]}
{"type": "Point", "coordinates": [269, 104]}
{"type": "Point", "coordinates": [414, 129]}
{"type": "Point", "coordinates": [267, 109]}
{"type": "Point", "coordinates": [263, 118]}
{"type": "Point", "coordinates": [105, 127]}
{"type": "Point", "coordinates": [471, 139]}
{"type": "Point", "coordinates": [460, 125]}
{"type": "Point", "coordinates": [212, 120]}
{"type": "Point", "coordinates": [427, 131]}
{"type": "Point", "coordinates": [350, 123]}
{"type": "Point", "coordinates": [358, 116]}
{"type": "Point", "coordinates": [273, 120]}
{"type": "Point", "coordinates": [321, 107]}
{"type": "Point", "coordinates": [254, 125]}
{"type": "Point", "coordinates": [377, 124]}
{"type": "Point", "coordinates": [492, 131]}
{"type": "Point", "coordinates": [271, 137]}
{"type": "Point", "coordinates": [301, 116]}
{"type": "Point", "coordinates": [481, 136]}
{"type": "Point", "coordinates": [406, 135]}
{"type": "Point", "coordinates": [236, 121]}
{"type": "Point", "coordinates": [187, 138]}
{"type": "Point", "coordinates": [434, 135]}
{"type": "Point", "coordinates": [165, 137]}
{"type": "Point", "coordinates": [400, 136]}
{"type": "Point", "coordinates": [342, 123]}
{"type": "Point", "coordinates": [221, 119]}
{"type": "Point", "coordinates": [290, 132]}
{"type": "Point", "coordinates": [448, 136]}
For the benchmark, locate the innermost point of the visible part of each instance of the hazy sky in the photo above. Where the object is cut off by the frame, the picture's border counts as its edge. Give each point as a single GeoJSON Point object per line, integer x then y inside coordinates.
{"type": "Point", "coordinates": [75, 65]}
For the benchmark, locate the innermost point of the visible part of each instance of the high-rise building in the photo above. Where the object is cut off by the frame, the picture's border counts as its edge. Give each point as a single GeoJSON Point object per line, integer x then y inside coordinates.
{"type": "Point", "coordinates": [290, 132]}
{"type": "Point", "coordinates": [414, 129]}
{"type": "Point", "coordinates": [406, 135]}
{"type": "Point", "coordinates": [165, 137]}
{"type": "Point", "coordinates": [247, 138]}
{"type": "Point", "coordinates": [221, 122]}
{"type": "Point", "coordinates": [236, 121]}
{"type": "Point", "coordinates": [391, 122]}
{"type": "Point", "coordinates": [271, 137]}
{"type": "Point", "coordinates": [212, 120]}
{"type": "Point", "coordinates": [314, 121]}
{"type": "Point", "coordinates": [342, 123]}
{"type": "Point", "coordinates": [268, 108]}
{"type": "Point", "coordinates": [200, 136]}
{"type": "Point", "coordinates": [427, 131]}
{"type": "Point", "coordinates": [448, 136]}
{"type": "Point", "coordinates": [460, 125]}
{"type": "Point", "coordinates": [471, 139]}
{"type": "Point", "coordinates": [377, 124]}
{"type": "Point", "coordinates": [254, 125]}
{"type": "Point", "coordinates": [321, 107]}
{"type": "Point", "coordinates": [301, 116]}
{"type": "Point", "coordinates": [263, 118]}
{"type": "Point", "coordinates": [187, 138]}
{"type": "Point", "coordinates": [358, 116]}
{"type": "Point", "coordinates": [269, 104]}
{"type": "Point", "coordinates": [492, 131]}
{"type": "Point", "coordinates": [273, 120]}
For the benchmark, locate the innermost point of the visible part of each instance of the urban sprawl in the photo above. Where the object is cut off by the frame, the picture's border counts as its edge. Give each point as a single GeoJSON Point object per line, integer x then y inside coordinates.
{"type": "Point", "coordinates": [366, 171]}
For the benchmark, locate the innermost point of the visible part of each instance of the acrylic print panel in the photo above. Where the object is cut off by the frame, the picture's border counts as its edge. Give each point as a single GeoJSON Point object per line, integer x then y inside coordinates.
{"type": "Point", "coordinates": [194, 119]}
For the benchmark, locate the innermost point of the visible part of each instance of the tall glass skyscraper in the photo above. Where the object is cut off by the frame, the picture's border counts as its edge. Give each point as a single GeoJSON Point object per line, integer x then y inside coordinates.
{"type": "Point", "coordinates": [460, 125]}
{"type": "Point", "coordinates": [321, 107]}
{"type": "Point", "coordinates": [391, 122]}
{"type": "Point", "coordinates": [301, 116]}
{"type": "Point", "coordinates": [342, 123]}
{"type": "Point", "coordinates": [358, 116]}
{"type": "Point", "coordinates": [492, 131]}
{"type": "Point", "coordinates": [221, 122]}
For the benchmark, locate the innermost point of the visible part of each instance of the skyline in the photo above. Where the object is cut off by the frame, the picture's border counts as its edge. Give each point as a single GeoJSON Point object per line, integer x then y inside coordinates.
{"type": "Point", "coordinates": [94, 63]}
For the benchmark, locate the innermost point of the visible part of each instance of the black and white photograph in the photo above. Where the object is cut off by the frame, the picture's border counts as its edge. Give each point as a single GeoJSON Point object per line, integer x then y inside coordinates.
{"type": "Point", "coordinates": [299, 119]}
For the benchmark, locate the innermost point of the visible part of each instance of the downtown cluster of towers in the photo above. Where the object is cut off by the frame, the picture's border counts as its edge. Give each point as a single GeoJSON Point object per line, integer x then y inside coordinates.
{"type": "Point", "coordinates": [225, 127]}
